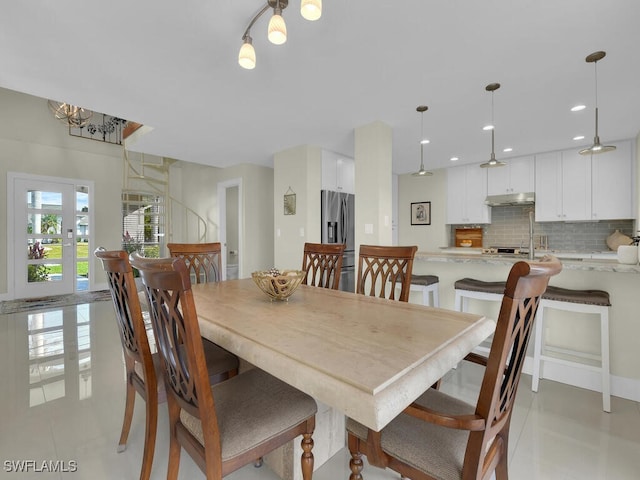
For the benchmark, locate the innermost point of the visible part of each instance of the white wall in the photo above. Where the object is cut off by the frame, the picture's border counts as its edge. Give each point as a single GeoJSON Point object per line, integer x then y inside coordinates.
{"type": "Point", "coordinates": [298, 169]}
{"type": "Point", "coordinates": [423, 189]}
{"type": "Point", "coordinates": [33, 142]}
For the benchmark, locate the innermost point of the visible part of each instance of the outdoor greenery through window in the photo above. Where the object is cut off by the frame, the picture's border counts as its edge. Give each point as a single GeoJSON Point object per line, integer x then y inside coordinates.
{"type": "Point", "coordinates": [143, 223]}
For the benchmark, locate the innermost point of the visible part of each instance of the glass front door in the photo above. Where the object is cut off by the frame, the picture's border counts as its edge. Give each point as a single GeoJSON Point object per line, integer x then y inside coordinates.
{"type": "Point", "coordinates": [51, 228]}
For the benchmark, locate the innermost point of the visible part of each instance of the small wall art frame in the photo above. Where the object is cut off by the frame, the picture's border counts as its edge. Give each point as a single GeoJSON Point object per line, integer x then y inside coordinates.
{"type": "Point", "coordinates": [421, 213]}
{"type": "Point", "coordinates": [290, 202]}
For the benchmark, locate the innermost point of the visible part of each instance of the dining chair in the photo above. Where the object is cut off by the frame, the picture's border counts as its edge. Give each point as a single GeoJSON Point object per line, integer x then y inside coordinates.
{"type": "Point", "coordinates": [225, 426]}
{"type": "Point", "coordinates": [381, 269]}
{"type": "Point", "coordinates": [323, 264]}
{"type": "Point", "coordinates": [204, 260]}
{"type": "Point", "coordinates": [142, 367]}
{"type": "Point", "coordinates": [441, 437]}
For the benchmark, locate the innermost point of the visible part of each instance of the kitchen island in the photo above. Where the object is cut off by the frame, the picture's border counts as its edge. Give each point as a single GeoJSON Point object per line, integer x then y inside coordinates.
{"type": "Point", "coordinates": [564, 329]}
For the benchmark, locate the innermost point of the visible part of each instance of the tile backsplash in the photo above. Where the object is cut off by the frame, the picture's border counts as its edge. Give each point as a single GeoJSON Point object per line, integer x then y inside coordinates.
{"type": "Point", "coordinates": [510, 228]}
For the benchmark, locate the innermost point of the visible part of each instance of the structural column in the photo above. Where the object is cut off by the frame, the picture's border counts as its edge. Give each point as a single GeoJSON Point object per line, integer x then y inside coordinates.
{"type": "Point", "coordinates": [373, 180]}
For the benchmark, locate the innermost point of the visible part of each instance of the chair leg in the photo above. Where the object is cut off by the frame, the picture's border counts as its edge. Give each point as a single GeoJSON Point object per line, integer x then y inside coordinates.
{"type": "Point", "coordinates": [457, 304]}
{"type": "Point", "coordinates": [174, 446]}
{"type": "Point", "coordinates": [128, 413]}
{"type": "Point", "coordinates": [355, 464]}
{"type": "Point", "coordinates": [151, 427]}
{"type": "Point", "coordinates": [537, 347]}
{"type": "Point", "coordinates": [307, 456]}
{"type": "Point", "coordinates": [604, 356]}
{"type": "Point", "coordinates": [436, 296]}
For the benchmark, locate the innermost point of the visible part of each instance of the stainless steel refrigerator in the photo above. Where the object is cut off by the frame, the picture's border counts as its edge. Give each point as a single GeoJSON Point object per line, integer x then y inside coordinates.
{"type": "Point", "coordinates": [337, 214]}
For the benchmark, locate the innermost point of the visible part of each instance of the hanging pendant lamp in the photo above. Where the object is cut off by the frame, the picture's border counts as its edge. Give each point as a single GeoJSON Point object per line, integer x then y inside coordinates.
{"type": "Point", "coordinates": [596, 147]}
{"type": "Point", "coordinates": [422, 172]}
{"type": "Point", "coordinates": [492, 87]}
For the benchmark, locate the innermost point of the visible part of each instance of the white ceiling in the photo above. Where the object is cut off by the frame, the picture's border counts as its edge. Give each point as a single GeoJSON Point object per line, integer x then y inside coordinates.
{"type": "Point", "coordinates": [172, 65]}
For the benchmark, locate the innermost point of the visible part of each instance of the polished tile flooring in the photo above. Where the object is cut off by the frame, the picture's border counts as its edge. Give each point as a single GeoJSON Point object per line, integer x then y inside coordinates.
{"type": "Point", "coordinates": [63, 396]}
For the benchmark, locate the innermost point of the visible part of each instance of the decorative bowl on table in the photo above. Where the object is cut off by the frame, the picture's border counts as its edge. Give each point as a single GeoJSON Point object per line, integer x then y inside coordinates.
{"type": "Point", "coordinates": [279, 285]}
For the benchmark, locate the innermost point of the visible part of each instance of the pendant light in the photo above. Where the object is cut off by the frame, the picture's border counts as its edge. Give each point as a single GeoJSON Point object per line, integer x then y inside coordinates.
{"type": "Point", "coordinates": [492, 87]}
{"type": "Point", "coordinates": [277, 30]}
{"type": "Point", "coordinates": [311, 9]}
{"type": "Point", "coordinates": [422, 172]}
{"type": "Point", "coordinates": [596, 147]}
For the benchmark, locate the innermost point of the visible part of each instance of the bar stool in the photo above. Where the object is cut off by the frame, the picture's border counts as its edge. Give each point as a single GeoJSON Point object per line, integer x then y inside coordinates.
{"type": "Point", "coordinates": [471, 288]}
{"type": "Point", "coordinates": [467, 288]}
{"type": "Point", "coordinates": [428, 285]}
{"type": "Point", "coordinates": [595, 302]}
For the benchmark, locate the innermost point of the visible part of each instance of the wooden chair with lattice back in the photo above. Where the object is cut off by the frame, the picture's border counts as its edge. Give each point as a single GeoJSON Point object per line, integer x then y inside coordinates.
{"type": "Point", "coordinates": [323, 264]}
{"type": "Point", "coordinates": [229, 425]}
{"type": "Point", "coordinates": [381, 269]}
{"type": "Point", "coordinates": [441, 437]}
{"type": "Point", "coordinates": [204, 260]}
{"type": "Point", "coordinates": [142, 366]}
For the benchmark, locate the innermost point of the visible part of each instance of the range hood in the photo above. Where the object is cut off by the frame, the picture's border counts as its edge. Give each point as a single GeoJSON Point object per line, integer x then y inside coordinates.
{"type": "Point", "coordinates": [511, 199]}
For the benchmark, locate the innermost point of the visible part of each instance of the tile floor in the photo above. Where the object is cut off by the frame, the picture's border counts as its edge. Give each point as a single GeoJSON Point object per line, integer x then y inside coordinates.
{"type": "Point", "coordinates": [63, 400]}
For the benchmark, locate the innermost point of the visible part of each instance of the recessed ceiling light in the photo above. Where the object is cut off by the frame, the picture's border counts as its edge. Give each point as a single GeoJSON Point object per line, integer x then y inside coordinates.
{"type": "Point", "coordinates": [453, 159]}
{"type": "Point", "coordinates": [579, 137]}
{"type": "Point", "coordinates": [508, 149]}
{"type": "Point", "coordinates": [488, 127]}
{"type": "Point", "coordinates": [424, 142]}
{"type": "Point", "coordinates": [577, 108]}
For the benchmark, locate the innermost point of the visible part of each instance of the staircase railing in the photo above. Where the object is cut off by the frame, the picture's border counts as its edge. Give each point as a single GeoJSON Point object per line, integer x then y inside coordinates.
{"type": "Point", "coordinates": [193, 226]}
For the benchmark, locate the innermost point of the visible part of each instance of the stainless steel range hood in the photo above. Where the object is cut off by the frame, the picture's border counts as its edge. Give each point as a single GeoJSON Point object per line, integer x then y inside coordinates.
{"type": "Point", "coordinates": [511, 199]}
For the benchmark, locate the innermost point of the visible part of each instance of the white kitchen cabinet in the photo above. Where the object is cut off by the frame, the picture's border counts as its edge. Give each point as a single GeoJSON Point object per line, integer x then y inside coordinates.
{"type": "Point", "coordinates": [574, 187]}
{"type": "Point", "coordinates": [466, 195]}
{"type": "Point", "coordinates": [517, 176]}
{"type": "Point", "coordinates": [563, 187]}
{"type": "Point", "coordinates": [338, 172]}
{"type": "Point", "coordinates": [612, 184]}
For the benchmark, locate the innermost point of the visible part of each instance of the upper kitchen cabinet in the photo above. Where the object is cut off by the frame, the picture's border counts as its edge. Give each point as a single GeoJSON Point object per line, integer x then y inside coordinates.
{"type": "Point", "coordinates": [517, 176]}
{"type": "Point", "coordinates": [574, 187]}
{"type": "Point", "coordinates": [466, 195]}
{"type": "Point", "coordinates": [563, 187]}
{"type": "Point", "coordinates": [338, 172]}
{"type": "Point", "coordinates": [612, 183]}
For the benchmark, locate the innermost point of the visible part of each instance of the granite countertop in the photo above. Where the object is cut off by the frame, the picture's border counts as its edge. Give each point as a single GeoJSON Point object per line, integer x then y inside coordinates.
{"type": "Point", "coordinates": [570, 260]}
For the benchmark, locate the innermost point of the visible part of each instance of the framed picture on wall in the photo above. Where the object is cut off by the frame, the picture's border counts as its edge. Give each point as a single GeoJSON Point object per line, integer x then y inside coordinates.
{"type": "Point", "coordinates": [421, 213]}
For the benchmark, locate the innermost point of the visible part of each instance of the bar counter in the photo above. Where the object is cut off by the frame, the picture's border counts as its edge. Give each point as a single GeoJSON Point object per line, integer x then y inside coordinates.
{"type": "Point", "coordinates": [564, 329]}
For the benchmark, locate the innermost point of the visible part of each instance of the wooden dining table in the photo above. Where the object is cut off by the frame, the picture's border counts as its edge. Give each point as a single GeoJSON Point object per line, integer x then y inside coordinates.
{"type": "Point", "coordinates": [367, 357]}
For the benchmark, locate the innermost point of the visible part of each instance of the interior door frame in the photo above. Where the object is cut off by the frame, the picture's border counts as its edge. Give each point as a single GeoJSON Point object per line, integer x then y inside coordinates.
{"type": "Point", "coordinates": [12, 248]}
{"type": "Point", "coordinates": [222, 220]}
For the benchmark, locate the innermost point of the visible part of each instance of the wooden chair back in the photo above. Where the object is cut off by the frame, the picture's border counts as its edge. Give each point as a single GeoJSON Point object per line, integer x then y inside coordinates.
{"type": "Point", "coordinates": [175, 325]}
{"type": "Point", "coordinates": [323, 264]}
{"type": "Point", "coordinates": [139, 360]}
{"type": "Point", "coordinates": [203, 260]}
{"type": "Point", "coordinates": [526, 283]}
{"type": "Point", "coordinates": [425, 442]}
{"type": "Point", "coordinates": [189, 393]}
{"type": "Point", "coordinates": [381, 269]}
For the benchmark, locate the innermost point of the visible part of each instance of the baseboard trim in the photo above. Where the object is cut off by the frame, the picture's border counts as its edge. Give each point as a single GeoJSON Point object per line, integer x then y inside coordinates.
{"type": "Point", "coordinates": [628, 388]}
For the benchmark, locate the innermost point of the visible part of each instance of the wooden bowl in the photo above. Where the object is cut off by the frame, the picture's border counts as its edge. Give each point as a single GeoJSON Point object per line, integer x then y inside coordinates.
{"type": "Point", "coordinates": [279, 285]}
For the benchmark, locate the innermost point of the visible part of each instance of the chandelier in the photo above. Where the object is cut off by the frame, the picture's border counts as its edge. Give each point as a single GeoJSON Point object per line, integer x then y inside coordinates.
{"type": "Point", "coordinates": [70, 115]}
{"type": "Point", "coordinates": [277, 29]}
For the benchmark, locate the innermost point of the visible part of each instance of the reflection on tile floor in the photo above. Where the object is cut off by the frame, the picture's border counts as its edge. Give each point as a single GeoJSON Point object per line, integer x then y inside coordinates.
{"type": "Point", "coordinates": [63, 400]}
